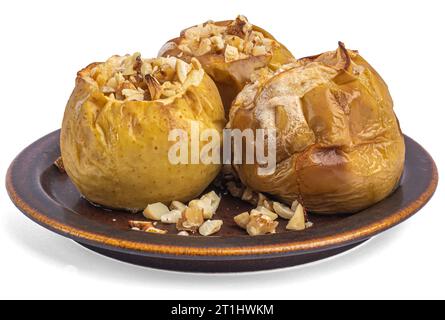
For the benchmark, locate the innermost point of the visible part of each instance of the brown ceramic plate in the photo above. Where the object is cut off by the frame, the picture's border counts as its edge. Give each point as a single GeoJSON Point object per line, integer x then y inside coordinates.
{"type": "Point", "coordinates": [48, 197]}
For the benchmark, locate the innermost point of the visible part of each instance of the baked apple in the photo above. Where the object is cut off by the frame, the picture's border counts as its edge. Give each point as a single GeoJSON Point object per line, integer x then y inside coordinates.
{"type": "Point", "coordinates": [339, 145]}
{"type": "Point", "coordinates": [229, 51]}
{"type": "Point", "coordinates": [115, 131]}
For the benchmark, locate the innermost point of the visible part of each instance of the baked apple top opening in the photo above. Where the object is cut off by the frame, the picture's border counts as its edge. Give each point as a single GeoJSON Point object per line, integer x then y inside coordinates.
{"type": "Point", "coordinates": [132, 78]}
{"type": "Point", "coordinates": [236, 40]}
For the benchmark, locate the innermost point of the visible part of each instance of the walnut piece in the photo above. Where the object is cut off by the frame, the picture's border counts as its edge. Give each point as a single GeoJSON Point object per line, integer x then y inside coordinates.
{"type": "Point", "coordinates": [283, 211]}
{"type": "Point", "coordinates": [177, 205]}
{"type": "Point", "coordinates": [231, 54]}
{"type": "Point", "coordinates": [298, 221]}
{"type": "Point", "coordinates": [155, 211]}
{"type": "Point", "coordinates": [191, 220]}
{"type": "Point", "coordinates": [59, 165]}
{"type": "Point", "coordinates": [205, 205]}
{"type": "Point", "coordinates": [154, 87]}
{"type": "Point", "coordinates": [210, 227]}
{"type": "Point", "coordinates": [263, 211]}
{"type": "Point", "coordinates": [172, 217]}
{"type": "Point", "coordinates": [261, 224]}
{"type": "Point", "coordinates": [242, 219]}
{"type": "Point", "coordinates": [145, 226]}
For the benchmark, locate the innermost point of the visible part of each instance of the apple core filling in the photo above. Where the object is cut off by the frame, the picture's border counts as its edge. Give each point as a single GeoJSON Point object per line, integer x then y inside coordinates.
{"type": "Point", "coordinates": [132, 78]}
{"type": "Point", "coordinates": [235, 41]}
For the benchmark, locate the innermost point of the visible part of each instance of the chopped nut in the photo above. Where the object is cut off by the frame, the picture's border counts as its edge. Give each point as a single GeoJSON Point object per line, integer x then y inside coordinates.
{"type": "Point", "coordinates": [268, 205]}
{"type": "Point", "coordinates": [205, 205]}
{"type": "Point", "coordinates": [298, 221]}
{"type": "Point", "coordinates": [205, 46]}
{"type": "Point", "coordinates": [155, 211]}
{"type": "Point", "coordinates": [182, 70]}
{"type": "Point", "coordinates": [231, 53]}
{"type": "Point", "coordinates": [261, 199]}
{"type": "Point", "coordinates": [261, 224]}
{"type": "Point", "coordinates": [155, 230]}
{"type": "Point", "coordinates": [185, 48]}
{"type": "Point", "coordinates": [133, 95]}
{"type": "Point", "coordinates": [264, 202]}
{"type": "Point", "coordinates": [283, 211]}
{"type": "Point", "coordinates": [196, 65]}
{"type": "Point", "coordinates": [263, 211]}
{"type": "Point", "coordinates": [218, 42]}
{"type": "Point", "coordinates": [183, 233]}
{"type": "Point", "coordinates": [309, 225]}
{"type": "Point", "coordinates": [210, 227]}
{"type": "Point", "coordinates": [259, 51]}
{"type": "Point", "coordinates": [141, 225]}
{"type": "Point", "coordinates": [145, 226]}
{"type": "Point", "coordinates": [214, 198]}
{"type": "Point", "coordinates": [154, 87]}
{"type": "Point", "coordinates": [191, 220]}
{"type": "Point", "coordinates": [146, 68]}
{"type": "Point", "coordinates": [242, 219]}
{"type": "Point", "coordinates": [294, 205]}
{"type": "Point", "coordinates": [172, 217]}
{"type": "Point", "coordinates": [177, 205]}
{"type": "Point", "coordinates": [237, 27]}
{"type": "Point", "coordinates": [59, 164]}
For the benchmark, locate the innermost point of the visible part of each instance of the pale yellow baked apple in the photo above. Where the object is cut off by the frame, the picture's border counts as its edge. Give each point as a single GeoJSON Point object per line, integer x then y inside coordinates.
{"type": "Point", "coordinates": [114, 138]}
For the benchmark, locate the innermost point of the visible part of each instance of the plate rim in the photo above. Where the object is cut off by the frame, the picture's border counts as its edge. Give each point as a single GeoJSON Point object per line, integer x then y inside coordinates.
{"type": "Point", "coordinates": [297, 247]}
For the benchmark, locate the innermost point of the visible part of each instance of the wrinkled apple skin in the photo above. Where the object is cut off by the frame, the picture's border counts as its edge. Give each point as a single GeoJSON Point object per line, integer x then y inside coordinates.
{"type": "Point", "coordinates": [230, 77]}
{"type": "Point", "coordinates": [116, 152]}
{"type": "Point", "coordinates": [339, 145]}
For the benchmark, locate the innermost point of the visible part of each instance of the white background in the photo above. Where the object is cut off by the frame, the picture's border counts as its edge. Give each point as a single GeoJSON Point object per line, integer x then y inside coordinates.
{"type": "Point", "coordinates": [44, 43]}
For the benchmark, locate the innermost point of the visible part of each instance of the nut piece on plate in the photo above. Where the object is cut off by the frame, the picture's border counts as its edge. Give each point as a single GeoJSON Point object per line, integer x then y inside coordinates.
{"type": "Point", "coordinates": [263, 201]}
{"type": "Point", "coordinates": [214, 198]}
{"type": "Point", "coordinates": [242, 219]}
{"type": "Point", "coordinates": [283, 211]}
{"type": "Point", "coordinates": [261, 224]}
{"type": "Point", "coordinates": [210, 227]}
{"type": "Point", "coordinates": [263, 211]}
{"type": "Point", "coordinates": [172, 217]}
{"type": "Point", "coordinates": [333, 114]}
{"type": "Point", "coordinates": [230, 52]}
{"type": "Point", "coordinates": [155, 230]}
{"type": "Point", "coordinates": [192, 219]}
{"type": "Point", "coordinates": [205, 205]}
{"type": "Point", "coordinates": [124, 108]}
{"type": "Point", "coordinates": [141, 225]}
{"type": "Point", "coordinates": [294, 205]}
{"type": "Point", "coordinates": [298, 221]}
{"type": "Point", "coordinates": [183, 233]}
{"type": "Point", "coordinates": [209, 204]}
{"type": "Point", "coordinates": [59, 164]}
{"type": "Point", "coordinates": [145, 226]}
{"type": "Point", "coordinates": [177, 205]}
{"type": "Point", "coordinates": [155, 211]}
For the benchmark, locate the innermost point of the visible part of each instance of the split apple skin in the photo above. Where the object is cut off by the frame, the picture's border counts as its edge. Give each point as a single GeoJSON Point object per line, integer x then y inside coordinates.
{"type": "Point", "coordinates": [231, 77]}
{"type": "Point", "coordinates": [339, 145]}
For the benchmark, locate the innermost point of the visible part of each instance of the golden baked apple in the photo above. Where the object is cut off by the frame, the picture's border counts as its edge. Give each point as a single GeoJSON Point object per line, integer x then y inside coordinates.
{"type": "Point", "coordinates": [339, 145]}
{"type": "Point", "coordinates": [229, 51]}
{"type": "Point", "coordinates": [115, 132]}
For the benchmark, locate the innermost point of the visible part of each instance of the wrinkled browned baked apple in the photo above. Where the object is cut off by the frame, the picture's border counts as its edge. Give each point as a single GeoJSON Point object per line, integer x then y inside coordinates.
{"type": "Point", "coordinates": [339, 145]}
{"type": "Point", "coordinates": [229, 51]}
